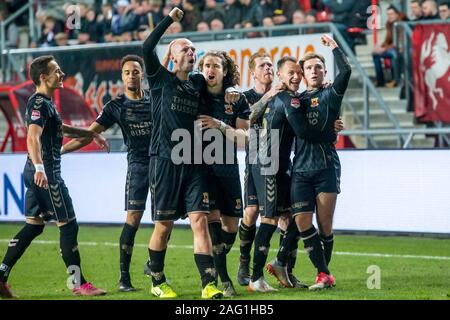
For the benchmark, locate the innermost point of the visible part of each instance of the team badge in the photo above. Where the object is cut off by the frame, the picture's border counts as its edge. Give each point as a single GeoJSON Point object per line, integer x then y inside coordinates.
{"type": "Point", "coordinates": [35, 114]}
{"type": "Point", "coordinates": [295, 103]}
{"type": "Point", "coordinates": [314, 102]}
{"type": "Point", "coordinates": [205, 198]}
{"type": "Point", "coordinates": [238, 204]}
{"type": "Point", "coordinates": [229, 109]}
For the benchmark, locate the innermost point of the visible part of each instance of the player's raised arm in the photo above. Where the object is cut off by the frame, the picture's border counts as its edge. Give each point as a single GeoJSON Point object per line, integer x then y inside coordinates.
{"type": "Point", "coordinates": [345, 70]}
{"type": "Point", "coordinates": [151, 61]}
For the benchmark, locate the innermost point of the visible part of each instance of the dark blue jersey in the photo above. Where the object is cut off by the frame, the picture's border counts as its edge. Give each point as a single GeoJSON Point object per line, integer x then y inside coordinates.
{"type": "Point", "coordinates": [175, 103]}
{"type": "Point", "coordinates": [315, 149]}
{"type": "Point", "coordinates": [252, 97]}
{"type": "Point", "coordinates": [41, 111]}
{"type": "Point", "coordinates": [216, 107]}
{"type": "Point", "coordinates": [135, 121]}
{"type": "Point", "coordinates": [275, 121]}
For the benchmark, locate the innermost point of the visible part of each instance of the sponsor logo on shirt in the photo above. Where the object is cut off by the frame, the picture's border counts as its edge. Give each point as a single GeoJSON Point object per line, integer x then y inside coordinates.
{"type": "Point", "coordinates": [35, 114]}
{"type": "Point", "coordinates": [229, 109]}
{"type": "Point", "coordinates": [314, 102]}
{"type": "Point", "coordinates": [238, 204]}
{"type": "Point", "coordinates": [205, 198]}
{"type": "Point", "coordinates": [295, 103]}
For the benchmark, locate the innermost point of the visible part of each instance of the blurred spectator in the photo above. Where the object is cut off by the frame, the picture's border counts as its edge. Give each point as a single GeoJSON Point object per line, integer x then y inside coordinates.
{"type": "Point", "coordinates": [202, 27]}
{"type": "Point", "coordinates": [89, 32]}
{"type": "Point", "coordinates": [251, 12]}
{"type": "Point", "coordinates": [61, 39]}
{"type": "Point", "coordinates": [212, 11]}
{"type": "Point", "coordinates": [217, 25]}
{"type": "Point", "coordinates": [251, 34]}
{"type": "Point", "coordinates": [155, 15]}
{"type": "Point", "coordinates": [104, 20]}
{"type": "Point", "coordinates": [49, 31]}
{"type": "Point", "coordinates": [430, 10]}
{"type": "Point", "coordinates": [416, 10]}
{"type": "Point", "coordinates": [232, 10]}
{"type": "Point", "coordinates": [387, 50]}
{"type": "Point", "coordinates": [11, 32]}
{"type": "Point", "coordinates": [298, 17]}
{"type": "Point", "coordinates": [444, 10]}
{"type": "Point", "coordinates": [311, 17]}
{"type": "Point", "coordinates": [174, 28]}
{"type": "Point", "coordinates": [349, 13]}
{"type": "Point", "coordinates": [192, 15]}
{"type": "Point", "coordinates": [126, 36]}
{"type": "Point", "coordinates": [142, 32]}
{"type": "Point", "coordinates": [268, 22]}
{"type": "Point", "coordinates": [288, 7]}
{"type": "Point", "coordinates": [279, 18]}
{"type": "Point", "coordinates": [269, 7]}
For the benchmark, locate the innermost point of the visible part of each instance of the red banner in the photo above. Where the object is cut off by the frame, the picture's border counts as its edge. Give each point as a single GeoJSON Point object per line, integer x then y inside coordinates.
{"type": "Point", "coordinates": [431, 70]}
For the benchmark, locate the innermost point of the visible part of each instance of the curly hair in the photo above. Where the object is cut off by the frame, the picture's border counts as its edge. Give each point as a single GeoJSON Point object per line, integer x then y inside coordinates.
{"type": "Point", "coordinates": [232, 76]}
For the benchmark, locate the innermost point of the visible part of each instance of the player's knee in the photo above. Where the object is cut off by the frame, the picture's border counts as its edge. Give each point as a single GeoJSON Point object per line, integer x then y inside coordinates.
{"type": "Point", "coordinates": [162, 231]}
{"type": "Point", "coordinates": [134, 218]}
{"type": "Point", "coordinates": [304, 221]}
{"type": "Point", "coordinates": [251, 215]}
{"type": "Point", "coordinates": [271, 221]}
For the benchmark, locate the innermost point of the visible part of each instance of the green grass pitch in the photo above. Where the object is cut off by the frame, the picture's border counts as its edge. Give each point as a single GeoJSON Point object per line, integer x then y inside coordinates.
{"type": "Point", "coordinates": [410, 268]}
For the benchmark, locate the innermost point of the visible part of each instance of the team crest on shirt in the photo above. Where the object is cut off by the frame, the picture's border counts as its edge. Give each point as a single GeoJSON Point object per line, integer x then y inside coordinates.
{"type": "Point", "coordinates": [314, 102]}
{"type": "Point", "coordinates": [38, 102]}
{"type": "Point", "coordinates": [35, 114]}
{"type": "Point", "coordinates": [295, 103]}
{"type": "Point", "coordinates": [238, 204]}
{"type": "Point", "coordinates": [205, 198]}
{"type": "Point", "coordinates": [228, 109]}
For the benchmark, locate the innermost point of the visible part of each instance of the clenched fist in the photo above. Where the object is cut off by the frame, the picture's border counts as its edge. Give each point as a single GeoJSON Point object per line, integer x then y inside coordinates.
{"type": "Point", "coordinates": [176, 14]}
{"type": "Point", "coordinates": [328, 42]}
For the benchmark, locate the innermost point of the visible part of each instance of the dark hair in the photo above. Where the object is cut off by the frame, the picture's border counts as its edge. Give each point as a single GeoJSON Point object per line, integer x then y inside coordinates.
{"type": "Point", "coordinates": [39, 66]}
{"type": "Point", "coordinates": [394, 8]}
{"type": "Point", "coordinates": [283, 60]}
{"type": "Point", "coordinates": [309, 56]}
{"type": "Point", "coordinates": [417, 1]}
{"type": "Point", "coordinates": [253, 57]}
{"type": "Point", "coordinates": [232, 77]}
{"type": "Point", "coordinates": [445, 3]}
{"type": "Point", "coordinates": [132, 57]}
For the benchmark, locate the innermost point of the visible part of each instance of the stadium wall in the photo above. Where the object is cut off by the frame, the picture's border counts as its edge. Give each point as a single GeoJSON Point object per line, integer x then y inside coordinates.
{"type": "Point", "coordinates": [382, 190]}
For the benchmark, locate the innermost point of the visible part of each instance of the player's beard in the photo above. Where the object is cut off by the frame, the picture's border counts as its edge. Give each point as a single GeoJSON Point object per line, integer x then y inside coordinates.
{"type": "Point", "coordinates": [132, 89]}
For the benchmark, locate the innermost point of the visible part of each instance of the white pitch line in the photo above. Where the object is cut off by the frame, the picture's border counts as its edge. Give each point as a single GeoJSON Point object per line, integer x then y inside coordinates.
{"type": "Point", "coordinates": [190, 247]}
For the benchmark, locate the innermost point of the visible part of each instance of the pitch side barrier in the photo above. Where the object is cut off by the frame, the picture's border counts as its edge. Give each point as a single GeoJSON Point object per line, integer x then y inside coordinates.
{"type": "Point", "coordinates": [387, 191]}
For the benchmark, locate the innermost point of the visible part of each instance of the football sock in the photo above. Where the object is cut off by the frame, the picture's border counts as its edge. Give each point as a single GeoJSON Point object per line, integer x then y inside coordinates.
{"type": "Point", "coordinates": [68, 234]}
{"type": "Point", "coordinates": [17, 247]}
{"type": "Point", "coordinates": [205, 265]}
{"type": "Point", "coordinates": [219, 254]}
{"type": "Point", "coordinates": [126, 250]}
{"type": "Point", "coordinates": [156, 265]}
{"type": "Point", "coordinates": [288, 243]}
{"type": "Point", "coordinates": [327, 242]}
{"type": "Point", "coordinates": [313, 248]}
{"type": "Point", "coordinates": [262, 245]}
{"type": "Point", "coordinates": [246, 237]}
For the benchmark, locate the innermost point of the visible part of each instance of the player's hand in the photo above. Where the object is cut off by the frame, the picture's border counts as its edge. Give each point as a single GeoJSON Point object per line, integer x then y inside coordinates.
{"type": "Point", "coordinates": [40, 179]}
{"type": "Point", "coordinates": [328, 42]}
{"type": "Point", "coordinates": [338, 125]}
{"type": "Point", "coordinates": [176, 14]}
{"type": "Point", "coordinates": [101, 141]}
{"type": "Point", "coordinates": [268, 96]}
{"type": "Point", "coordinates": [327, 84]}
{"type": "Point", "coordinates": [232, 96]}
{"type": "Point", "coordinates": [208, 122]}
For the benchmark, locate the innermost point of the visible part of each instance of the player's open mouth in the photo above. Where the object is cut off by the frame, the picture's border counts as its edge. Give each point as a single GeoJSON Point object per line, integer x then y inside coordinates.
{"type": "Point", "coordinates": [211, 77]}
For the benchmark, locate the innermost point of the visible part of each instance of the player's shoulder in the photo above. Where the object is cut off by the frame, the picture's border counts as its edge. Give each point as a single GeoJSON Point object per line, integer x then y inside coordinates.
{"type": "Point", "coordinates": [38, 101]}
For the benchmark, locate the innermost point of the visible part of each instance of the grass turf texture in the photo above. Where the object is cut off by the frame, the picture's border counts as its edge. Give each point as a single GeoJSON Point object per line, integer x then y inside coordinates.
{"type": "Point", "coordinates": [40, 274]}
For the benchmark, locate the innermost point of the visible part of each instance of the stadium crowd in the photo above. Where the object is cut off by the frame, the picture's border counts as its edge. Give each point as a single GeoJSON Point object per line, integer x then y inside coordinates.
{"type": "Point", "coordinates": [127, 20]}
